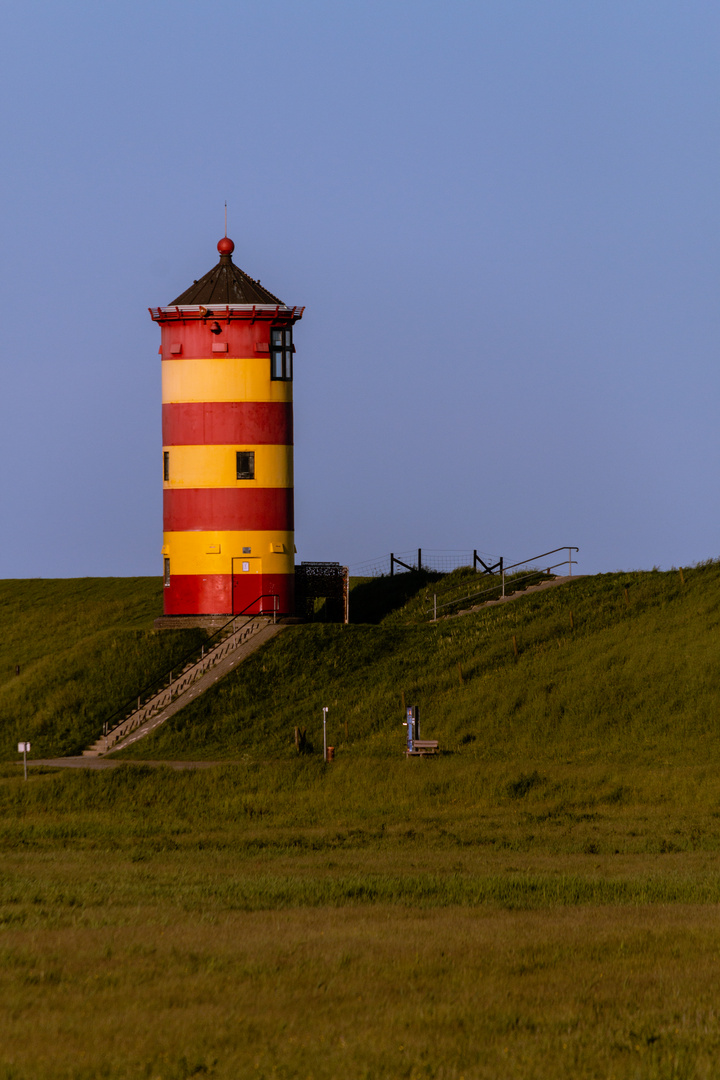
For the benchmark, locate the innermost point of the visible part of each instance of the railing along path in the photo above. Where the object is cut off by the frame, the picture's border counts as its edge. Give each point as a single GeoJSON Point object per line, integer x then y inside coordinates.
{"type": "Point", "coordinates": [516, 579]}
{"type": "Point", "coordinates": [231, 637]}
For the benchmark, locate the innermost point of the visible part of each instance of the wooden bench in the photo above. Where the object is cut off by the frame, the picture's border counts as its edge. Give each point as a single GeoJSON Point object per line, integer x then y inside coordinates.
{"type": "Point", "coordinates": [423, 748]}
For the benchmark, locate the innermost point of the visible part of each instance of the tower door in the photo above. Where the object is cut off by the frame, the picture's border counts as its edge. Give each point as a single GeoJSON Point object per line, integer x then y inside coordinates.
{"type": "Point", "coordinates": [247, 585]}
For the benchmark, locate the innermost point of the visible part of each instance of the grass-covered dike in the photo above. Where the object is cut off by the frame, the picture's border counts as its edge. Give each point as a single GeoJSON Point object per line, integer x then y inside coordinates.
{"type": "Point", "coordinates": [540, 901]}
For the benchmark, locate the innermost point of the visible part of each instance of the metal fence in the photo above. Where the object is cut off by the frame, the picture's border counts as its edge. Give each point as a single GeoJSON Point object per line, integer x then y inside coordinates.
{"type": "Point", "coordinates": [437, 560]}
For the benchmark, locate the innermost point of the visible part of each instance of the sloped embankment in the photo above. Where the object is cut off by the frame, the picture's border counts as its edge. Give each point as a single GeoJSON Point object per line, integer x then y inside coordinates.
{"type": "Point", "coordinates": [610, 663]}
{"type": "Point", "coordinates": [83, 647]}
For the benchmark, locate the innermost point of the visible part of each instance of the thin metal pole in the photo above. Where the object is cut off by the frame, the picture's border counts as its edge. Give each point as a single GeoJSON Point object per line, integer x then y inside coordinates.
{"type": "Point", "coordinates": [325, 712]}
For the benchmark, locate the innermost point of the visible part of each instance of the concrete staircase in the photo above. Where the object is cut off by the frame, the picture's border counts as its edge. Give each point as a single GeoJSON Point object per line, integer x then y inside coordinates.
{"type": "Point", "coordinates": [193, 680]}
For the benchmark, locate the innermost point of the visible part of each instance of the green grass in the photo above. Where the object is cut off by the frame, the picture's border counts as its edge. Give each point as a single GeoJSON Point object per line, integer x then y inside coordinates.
{"type": "Point", "coordinates": [627, 677]}
{"type": "Point", "coordinates": [539, 901]}
{"type": "Point", "coordinates": [83, 646]}
{"type": "Point", "coordinates": [417, 919]}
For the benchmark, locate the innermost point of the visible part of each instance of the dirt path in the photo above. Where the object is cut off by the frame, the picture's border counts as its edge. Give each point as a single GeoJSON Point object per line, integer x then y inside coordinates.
{"type": "Point", "coordinates": [110, 763]}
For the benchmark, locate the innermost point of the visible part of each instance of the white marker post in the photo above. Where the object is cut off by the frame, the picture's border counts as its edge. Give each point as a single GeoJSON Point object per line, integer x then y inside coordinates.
{"type": "Point", "coordinates": [325, 712]}
{"type": "Point", "coordinates": [23, 748]}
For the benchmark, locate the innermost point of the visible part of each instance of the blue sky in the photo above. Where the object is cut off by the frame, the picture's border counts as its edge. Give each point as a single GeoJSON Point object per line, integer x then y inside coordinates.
{"type": "Point", "coordinates": [502, 218]}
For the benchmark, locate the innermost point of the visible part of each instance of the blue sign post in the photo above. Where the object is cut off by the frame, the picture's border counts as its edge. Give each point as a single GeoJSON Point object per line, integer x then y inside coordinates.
{"type": "Point", "coordinates": [411, 725]}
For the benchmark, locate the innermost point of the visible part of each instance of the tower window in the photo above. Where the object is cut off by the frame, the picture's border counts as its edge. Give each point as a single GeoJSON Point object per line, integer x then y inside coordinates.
{"type": "Point", "coordinates": [166, 572]}
{"type": "Point", "coordinates": [166, 465]}
{"type": "Point", "coordinates": [281, 350]}
{"type": "Point", "coordinates": [245, 464]}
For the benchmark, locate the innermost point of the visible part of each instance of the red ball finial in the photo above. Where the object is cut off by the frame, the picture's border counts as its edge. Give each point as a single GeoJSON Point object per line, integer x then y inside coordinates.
{"type": "Point", "coordinates": [226, 246]}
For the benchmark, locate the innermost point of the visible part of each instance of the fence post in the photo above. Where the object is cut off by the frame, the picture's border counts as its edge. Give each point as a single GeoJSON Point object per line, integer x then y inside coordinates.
{"type": "Point", "coordinates": [434, 607]}
{"type": "Point", "coordinates": [502, 571]}
{"type": "Point", "coordinates": [569, 562]}
{"type": "Point", "coordinates": [392, 564]}
{"type": "Point", "coordinates": [419, 560]}
{"type": "Point", "coordinates": [475, 559]}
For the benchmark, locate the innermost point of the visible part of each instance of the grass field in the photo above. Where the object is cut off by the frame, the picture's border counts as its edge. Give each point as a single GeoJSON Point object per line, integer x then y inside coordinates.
{"type": "Point", "coordinates": [541, 901]}
{"type": "Point", "coordinates": [83, 647]}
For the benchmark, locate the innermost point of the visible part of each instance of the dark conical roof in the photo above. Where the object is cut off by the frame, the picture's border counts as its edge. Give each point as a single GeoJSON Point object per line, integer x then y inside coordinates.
{"type": "Point", "coordinates": [226, 283]}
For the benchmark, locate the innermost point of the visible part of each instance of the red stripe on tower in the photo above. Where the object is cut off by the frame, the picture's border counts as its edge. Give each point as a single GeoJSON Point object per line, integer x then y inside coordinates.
{"type": "Point", "coordinates": [228, 509]}
{"type": "Point", "coordinates": [196, 423]}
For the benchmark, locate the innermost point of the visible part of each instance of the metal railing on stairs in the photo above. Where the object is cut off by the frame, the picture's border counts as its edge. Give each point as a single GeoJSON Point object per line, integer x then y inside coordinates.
{"type": "Point", "coordinates": [158, 694]}
{"type": "Point", "coordinates": [522, 580]}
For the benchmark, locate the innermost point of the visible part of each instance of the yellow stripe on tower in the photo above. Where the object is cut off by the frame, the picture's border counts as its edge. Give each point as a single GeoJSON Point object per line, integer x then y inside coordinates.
{"type": "Point", "coordinates": [222, 380]}
{"type": "Point", "coordinates": [216, 467]}
{"type": "Point", "coordinates": [212, 552]}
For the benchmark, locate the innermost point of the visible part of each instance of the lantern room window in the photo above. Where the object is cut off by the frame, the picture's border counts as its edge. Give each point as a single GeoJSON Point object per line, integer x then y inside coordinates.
{"type": "Point", "coordinates": [281, 350]}
{"type": "Point", "coordinates": [245, 464]}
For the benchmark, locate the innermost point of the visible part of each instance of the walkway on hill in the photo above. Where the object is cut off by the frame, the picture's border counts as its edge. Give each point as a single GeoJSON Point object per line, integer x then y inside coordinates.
{"type": "Point", "coordinates": [513, 596]}
{"type": "Point", "coordinates": [222, 668]}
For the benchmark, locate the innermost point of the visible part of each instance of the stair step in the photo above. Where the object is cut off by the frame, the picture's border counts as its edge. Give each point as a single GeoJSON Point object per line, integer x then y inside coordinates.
{"type": "Point", "coordinates": [177, 688]}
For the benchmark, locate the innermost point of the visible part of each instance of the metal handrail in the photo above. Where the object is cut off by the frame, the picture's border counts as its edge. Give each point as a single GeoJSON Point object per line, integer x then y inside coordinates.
{"type": "Point", "coordinates": [565, 547]}
{"type": "Point", "coordinates": [160, 684]}
{"type": "Point", "coordinates": [532, 573]}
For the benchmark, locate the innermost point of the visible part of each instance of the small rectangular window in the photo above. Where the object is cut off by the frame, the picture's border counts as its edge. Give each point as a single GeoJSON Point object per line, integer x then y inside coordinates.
{"type": "Point", "coordinates": [166, 465]}
{"type": "Point", "coordinates": [281, 354]}
{"type": "Point", "coordinates": [245, 464]}
{"type": "Point", "coordinates": [166, 572]}
{"type": "Point", "coordinates": [277, 364]}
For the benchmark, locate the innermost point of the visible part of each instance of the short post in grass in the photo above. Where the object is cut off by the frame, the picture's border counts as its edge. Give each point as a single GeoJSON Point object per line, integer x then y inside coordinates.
{"type": "Point", "coordinates": [515, 648]}
{"type": "Point", "coordinates": [325, 712]}
{"type": "Point", "coordinates": [23, 748]}
{"type": "Point", "coordinates": [434, 607]}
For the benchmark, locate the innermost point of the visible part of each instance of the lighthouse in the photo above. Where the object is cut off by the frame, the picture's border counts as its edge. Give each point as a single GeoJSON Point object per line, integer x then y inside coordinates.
{"type": "Point", "coordinates": [227, 459]}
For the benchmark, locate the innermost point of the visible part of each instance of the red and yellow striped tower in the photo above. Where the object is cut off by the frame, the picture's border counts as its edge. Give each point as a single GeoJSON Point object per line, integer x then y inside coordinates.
{"type": "Point", "coordinates": [227, 364]}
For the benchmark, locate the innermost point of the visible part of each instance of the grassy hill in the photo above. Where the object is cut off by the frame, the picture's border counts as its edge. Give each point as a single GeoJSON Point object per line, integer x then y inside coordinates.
{"type": "Point", "coordinates": [540, 901]}
{"type": "Point", "coordinates": [83, 647]}
{"type": "Point", "coordinates": [621, 664]}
